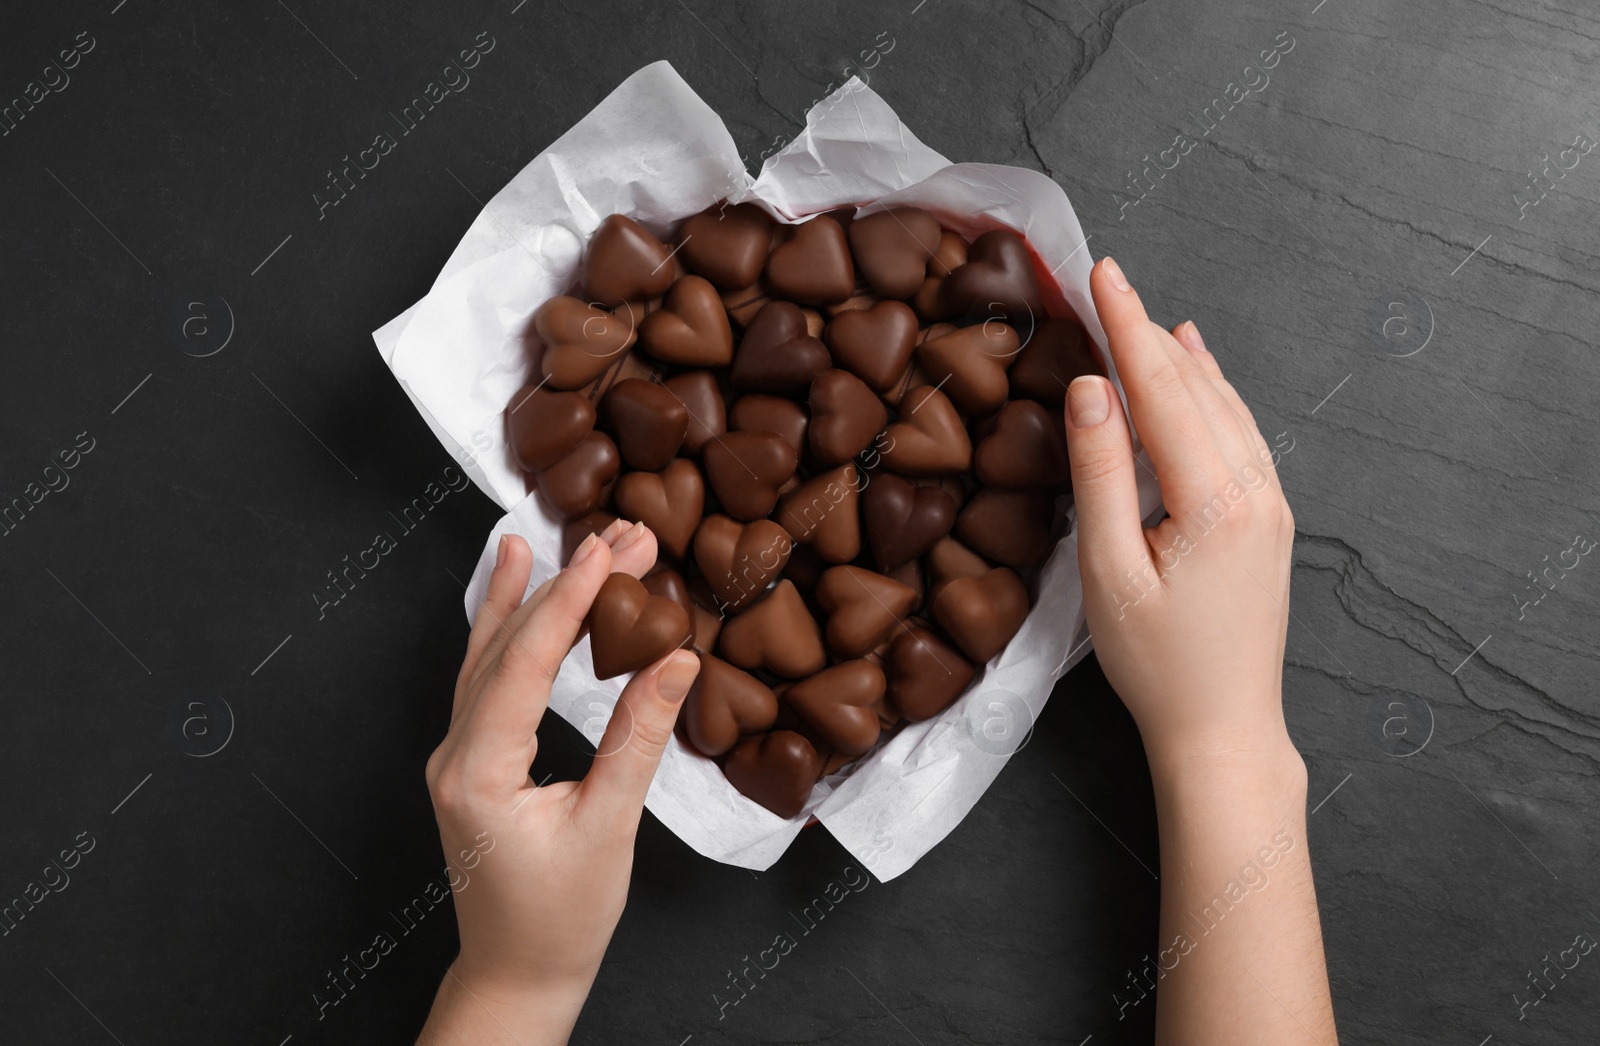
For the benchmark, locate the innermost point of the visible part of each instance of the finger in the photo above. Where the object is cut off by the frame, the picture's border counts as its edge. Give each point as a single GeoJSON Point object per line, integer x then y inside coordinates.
{"type": "Point", "coordinates": [630, 750]}
{"type": "Point", "coordinates": [1188, 335]}
{"type": "Point", "coordinates": [507, 582]}
{"type": "Point", "coordinates": [1105, 488]}
{"type": "Point", "coordinates": [633, 549]}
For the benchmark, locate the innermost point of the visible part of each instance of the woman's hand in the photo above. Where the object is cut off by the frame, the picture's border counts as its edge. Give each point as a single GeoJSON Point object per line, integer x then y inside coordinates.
{"type": "Point", "coordinates": [540, 873]}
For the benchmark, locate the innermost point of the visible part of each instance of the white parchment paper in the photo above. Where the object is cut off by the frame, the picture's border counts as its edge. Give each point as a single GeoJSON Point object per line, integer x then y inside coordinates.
{"type": "Point", "coordinates": [654, 150]}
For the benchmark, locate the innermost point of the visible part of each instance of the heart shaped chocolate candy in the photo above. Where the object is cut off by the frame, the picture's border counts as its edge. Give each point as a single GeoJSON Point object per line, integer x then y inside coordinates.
{"type": "Point", "coordinates": [778, 634]}
{"type": "Point", "coordinates": [625, 262]}
{"type": "Point", "coordinates": [1059, 351]}
{"type": "Point", "coordinates": [544, 425]}
{"type": "Point", "coordinates": [874, 343]}
{"type": "Point", "coordinates": [669, 502]}
{"type": "Point", "coordinates": [982, 613]}
{"type": "Point", "coordinates": [727, 244]}
{"type": "Point", "coordinates": [845, 416]}
{"type": "Point", "coordinates": [821, 513]}
{"type": "Point", "coordinates": [746, 470]}
{"type": "Point", "coordinates": [725, 704]}
{"type": "Point", "coordinates": [776, 770]}
{"type": "Point", "coordinates": [777, 354]}
{"type": "Point", "coordinates": [691, 327]}
{"type": "Point", "coordinates": [630, 628]}
{"type": "Point", "coordinates": [997, 280]}
{"type": "Point", "coordinates": [863, 608]}
{"type": "Point", "coordinates": [580, 341]}
{"type": "Point", "coordinates": [698, 391]}
{"type": "Point", "coordinates": [903, 521]}
{"type": "Point", "coordinates": [929, 439]}
{"type": "Point", "coordinates": [1028, 448]}
{"type": "Point", "coordinates": [761, 413]}
{"type": "Point", "coordinates": [739, 560]}
{"type": "Point", "coordinates": [926, 674]}
{"type": "Point", "coordinates": [577, 484]}
{"type": "Point", "coordinates": [649, 420]}
{"type": "Point", "coordinates": [841, 704]}
{"type": "Point", "coordinates": [970, 363]}
{"type": "Point", "coordinates": [928, 301]}
{"type": "Point", "coordinates": [950, 559]}
{"type": "Point", "coordinates": [1007, 526]}
{"type": "Point", "coordinates": [893, 248]}
{"type": "Point", "coordinates": [813, 266]}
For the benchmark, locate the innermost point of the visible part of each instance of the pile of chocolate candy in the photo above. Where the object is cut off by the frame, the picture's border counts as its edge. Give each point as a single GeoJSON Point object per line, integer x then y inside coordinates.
{"type": "Point", "coordinates": [846, 435]}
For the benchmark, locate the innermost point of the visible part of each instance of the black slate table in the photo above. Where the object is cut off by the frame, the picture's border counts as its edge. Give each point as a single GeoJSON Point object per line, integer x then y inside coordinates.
{"type": "Point", "coordinates": [1381, 214]}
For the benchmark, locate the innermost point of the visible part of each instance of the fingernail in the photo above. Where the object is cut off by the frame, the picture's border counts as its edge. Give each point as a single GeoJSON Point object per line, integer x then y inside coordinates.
{"type": "Point", "coordinates": [1088, 401]}
{"type": "Point", "coordinates": [1189, 336]}
{"type": "Point", "coordinates": [612, 532]}
{"type": "Point", "coordinates": [677, 675]}
{"type": "Point", "coordinates": [1114, 274]}
{"type": "Point", "coordinates": [500, 553]}
{"type": "Point", "coordinates": [584, 550]}
{"type": "Point", "coordinates": [629, 536]}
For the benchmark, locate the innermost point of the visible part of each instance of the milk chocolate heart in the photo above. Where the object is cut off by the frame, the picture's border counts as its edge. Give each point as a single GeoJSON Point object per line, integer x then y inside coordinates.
{"type": "Point", "coordinates": [745, 303]}
{"type": "Point", "coordinates": [929, 439]}
{"type": "Point", "coordinates": [1028, 448]}
{"type": "Point", "coordinates": [928, 301]}
{"type": "Point", "coordinates": [821, 513]}
{"type": "Point", "coordinates": [1008, 526]}
{"type": "Point", "coordinates": [739, 560]}
{"type": "Point", "coordinates": [925, 673]}
{"type": "Point", "coordinates": [776, 770]}
{"type": "Point", "coordinates": [970, 365]}
{"type": "Point", "coordinates": [580, 341]}
{"type": "Point", "coordinates": [813, 266]}
{"type": "Point", "coordinates": [649, 420]}
{"type": "Point", "coordinates": [625, 262]}
{"type": "Point", "coordinates": [1059, 351]}
{"type": "Point", "coordinates": [840, 703]}
{"type": "Point", "coordinates": [997, 280]}
{"type": "Point", "coordinates": [577, 484]}
{"type": "Point", "coordinates": [760, 413]}
{"type": "Point", "coordinates": [950, 559]}
{"type": "Point", "coordinates": [845, 417]}
{"type": "Point", "coordinates": [746, 469]}
{"type": "Point", "coordinates": [727, 244]}
{"type": "Point", "coordinates": [669, 502]}
{"type": "Point", "coordinates": [697, 391]}
{"type": "Point", "coordinates": [903, 521]}
{"type": "Point", "coordinates": [863, 608]}
{"type": "Point", "coordinates": [725, 704]}
{"type": "Point", "coordinates": [777, 355]}
{"type": "Point", "coordinates": [982, 613]}
{"type": "Point", "coordinates": [893, 248]}
{"type": "Point", "coordinates": [875, 343]}
{"type": "Point", "coordinates": [777, 634]}
{"type": "Point", "coordinates": [691, 327]}
{"type": "Point", "coordinates": [630, 628]}
{"type": "Point", "coordinates": [544, 426]}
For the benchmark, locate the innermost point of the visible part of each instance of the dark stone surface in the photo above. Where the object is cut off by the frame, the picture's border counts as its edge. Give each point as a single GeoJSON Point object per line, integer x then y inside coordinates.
{"type": "Point", "coordinates": [1350, 238]}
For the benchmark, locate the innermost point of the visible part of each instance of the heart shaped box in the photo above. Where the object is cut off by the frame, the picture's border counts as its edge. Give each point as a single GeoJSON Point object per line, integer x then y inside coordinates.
{"type": "Point", "coordinates": [655, 151]}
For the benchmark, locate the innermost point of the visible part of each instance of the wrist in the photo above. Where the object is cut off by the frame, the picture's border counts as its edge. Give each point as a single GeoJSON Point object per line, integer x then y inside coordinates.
{"type": "Point", "coordinates": [1264, 762]}
{"type": "Point", "coordinates": [538, 1010]}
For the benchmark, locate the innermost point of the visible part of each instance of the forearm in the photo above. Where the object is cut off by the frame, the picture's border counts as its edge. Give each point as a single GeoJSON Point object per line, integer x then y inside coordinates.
{"type": "Point", "coordinates": [468, 1015]}
{"type": "Point", "coordinates": [1241, 957]}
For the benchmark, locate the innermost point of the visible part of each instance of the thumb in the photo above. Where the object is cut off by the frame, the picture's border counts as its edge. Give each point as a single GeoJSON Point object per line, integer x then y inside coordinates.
{"type": "Point", "coordinates": [1105, 488]}
{"type": "Point", "coordinates": [630, 750]}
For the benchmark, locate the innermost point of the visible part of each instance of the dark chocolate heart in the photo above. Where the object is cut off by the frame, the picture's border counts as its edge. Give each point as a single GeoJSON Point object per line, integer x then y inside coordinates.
{"type": "Point", "coordinates": [777, 355]}
{"type": "Point", "coordinates": [1008, 526]}
{"type": "Point", "coordinates": [690, 328]}
{"type": "Point", "coordinates": [929, 439]}
{"type": "Point", "coordinates": [821, 513]}
{"type": "Point", "coordinates": [580, 341]}
{"type": "Point", "coordinates": [903, 521]}
{"type": "Point", "coordinates": [697, 390]}
{"type": "Point", "coordinates": [727, 244]}
{"type": "Point", "coordinates": [739, 560]}
{"type": "Point", "coordinates": [863, 608]}
{"type": "Point", "coordinates": [725, 704]}
{"type": "Point", "coordinates": [746, 470]}
{"type": "Point", "coordinates": [777, 634]}
{"type": "Point", "coordinates": [841, 704]}
{"type": "Point", "coordinates": [776, 770]}
{"type": "Point", "coordinates": [1028, 448]}
{"type": "Point", "coordinates": [970, 365]}
{"type": "Point", "coordinates": [577, 484]}
{"type": "Point", "coordinates": [630, 628]}
{"type": "Point", "coordinates": [925, 673]}
{"type": "Point", "coordinates": [813, 266]}
{"type": "Point", "coordinates": [649, 420]}
{"type": "Point", "coordinates": [761, 413]}
{"type": "Point", "coordinates": [875, 343]}
{"type": "Point", "coordinates": [893, 248]}
{"type": "Point", "coordinates": [544, 425]}
{"type": "Point", "coordinates": [625, 262]}
{"type": "Point", "coordinates": [845, 417]}
{"type": "Point", "coordinates": [669, 502]}
{"type": "Point", "coordinates": [997, 280]}
{"type": "Point", "coordinates": [1059, 351]}
{"type": "Point", "coordinates": [982, 613]}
